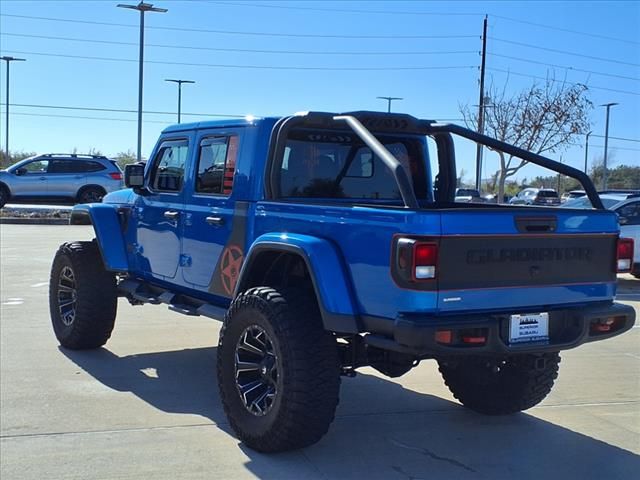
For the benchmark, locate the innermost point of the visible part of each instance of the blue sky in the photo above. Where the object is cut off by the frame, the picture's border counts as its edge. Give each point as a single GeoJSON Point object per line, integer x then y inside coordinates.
{"type": "Point", "coordinates": [343, 54]}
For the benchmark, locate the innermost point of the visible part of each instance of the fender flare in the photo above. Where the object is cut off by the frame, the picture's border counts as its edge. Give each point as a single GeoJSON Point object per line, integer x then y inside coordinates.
{"type": "Point", "coordinates": [106, 225]}
{"type": "Point", "coordinates": [331, 281]}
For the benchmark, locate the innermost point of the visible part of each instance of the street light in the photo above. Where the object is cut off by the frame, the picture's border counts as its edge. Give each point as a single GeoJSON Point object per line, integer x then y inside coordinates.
{"type": "Point", "coordinates": [179, 82]}
{"type": "Point", "coordinates": [389, 100]}
{"type": "Point", "coordinates": [6, 108]}
{"type": "Point", "coordinates": [586, 152]}
{"type": "Point", "coordinates": [142, 8]}
{"type": "Point", "coordinates": [606, 143]}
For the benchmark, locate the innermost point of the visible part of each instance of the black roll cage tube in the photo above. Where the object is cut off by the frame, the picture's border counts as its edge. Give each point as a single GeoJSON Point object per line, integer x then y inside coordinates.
{"type": "Point", "coordinates": [363, 123]}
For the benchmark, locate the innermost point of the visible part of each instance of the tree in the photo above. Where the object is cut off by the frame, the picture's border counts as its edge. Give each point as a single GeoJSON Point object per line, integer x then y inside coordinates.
{"type": "Point", "coordinates": [124, 158]}
{"type": "Point", "coordinates": [544, 118]}
{"type": "Point", "coordinates": [13, 158]}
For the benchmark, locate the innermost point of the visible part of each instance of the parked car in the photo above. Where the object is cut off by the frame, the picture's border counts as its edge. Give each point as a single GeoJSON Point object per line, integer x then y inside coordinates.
{"type": "Point", "coordinates": [572, 194]}
{"type": "Point", "coordinates": [59, 176]}
{"type": "Point", "coordinates": [468, 195]}
{"type": "Point", "coordinates": [536, 196]}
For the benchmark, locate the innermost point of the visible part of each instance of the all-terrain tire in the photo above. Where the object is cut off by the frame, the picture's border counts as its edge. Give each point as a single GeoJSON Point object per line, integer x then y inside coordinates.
{"type": "Point", "coordinates": [307, 382]}
{"type": "Point", "coordinates": [82, 296]}
{"type": "Point", "coordinates": [91, 195]}
{"type": "Point", "coordinates": [500, 385]}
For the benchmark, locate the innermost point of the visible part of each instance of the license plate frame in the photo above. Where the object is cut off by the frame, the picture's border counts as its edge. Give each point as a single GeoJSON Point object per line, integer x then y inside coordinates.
{"type": "Point", "coordinates": [529, 328]}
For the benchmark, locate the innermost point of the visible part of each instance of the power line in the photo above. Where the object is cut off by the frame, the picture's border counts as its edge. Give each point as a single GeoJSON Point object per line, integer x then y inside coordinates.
{"type": "Point", "coordinates": [566, 30]}
{"type": "Point", "coordinates": [243, 50]}
{"type": "Point", "coordinates": [121, 110]}
{"type": "Point", "coordinates": [51, 115]}
{"type": "Point", "coordinates": [613, 147]}
{"type": "Point", "coordinates": [258, 67]}
{"type": "Point", "coordinates": [382, 12]}
{"type": "Point", "coordinates": [618, 138]}
{"type": "Point", "coordinates": [565, 67]}
{"type": "Point", "coordinates": [511, 72]}
{"type": "Point", "coordinates": [233, 32]}
{"type": "Point", "coordinates": [565, 52]}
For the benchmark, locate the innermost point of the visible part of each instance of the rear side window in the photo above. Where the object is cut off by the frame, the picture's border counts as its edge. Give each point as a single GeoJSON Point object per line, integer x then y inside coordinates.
{"type": "Point", "coordinates": [74, 166]}
{"type": "Point", "coordinates": [338, 165]}
{"type": "Point", "coordinates": [547, 193]}
{"type": "Point", "coordinates": [92, 166]}
{"type": "Point", "coordinates": [167, 174]}
{"type": "Point", "coordinates": [216, 165]}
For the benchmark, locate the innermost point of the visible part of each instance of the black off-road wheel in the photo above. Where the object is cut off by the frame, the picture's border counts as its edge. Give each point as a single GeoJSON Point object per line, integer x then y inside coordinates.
{"type": "Point", "coordinates": [500, 385]}
{"type": "Point", "coordinates": [91, 195]}
{"type": "Point", "coordinates": [278, 369]}
{"type": "Point", "coordinates": [82, 296]}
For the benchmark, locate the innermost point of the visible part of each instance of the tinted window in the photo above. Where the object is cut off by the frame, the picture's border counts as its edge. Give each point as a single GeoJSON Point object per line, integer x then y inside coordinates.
{"type": "Point", "coordinates": [547, 193]}
{"type": "Point", "coordinates": [630, 214]}
{"type": "Point", "coordinates": [92, 166]}
{"type": "Point", "coordinates": [216, 165]}
{"type": "Point", "coordinates": [70, 166]}
{"type": "Point", "coordinates": [466, 192]}
{"type": "Point", "coordinates": [168, 168]}
{"type": "Point", "coordinates": [323, 164]}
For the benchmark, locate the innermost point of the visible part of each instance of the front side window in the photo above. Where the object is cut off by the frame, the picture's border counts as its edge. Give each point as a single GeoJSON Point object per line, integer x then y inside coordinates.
{"type": "Point", "coordinates": [335, 165]}
{"type": "Point", "coordinates": [36, 167]}
{"type": "Point", "coordinates": [169, 166]}
{"type": "Point", "coordinates": [216, 165]}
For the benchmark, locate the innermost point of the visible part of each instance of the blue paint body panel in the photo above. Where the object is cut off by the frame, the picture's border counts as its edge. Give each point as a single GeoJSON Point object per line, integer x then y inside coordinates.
{"type": "Point", "coordinates": [106, 224]}
{"type": "Point", "coordinates": [348, 247]}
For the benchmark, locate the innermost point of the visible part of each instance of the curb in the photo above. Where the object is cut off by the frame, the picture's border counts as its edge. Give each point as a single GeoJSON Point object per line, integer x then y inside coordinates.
{"type": "Point", "coordinates": [33, 221]}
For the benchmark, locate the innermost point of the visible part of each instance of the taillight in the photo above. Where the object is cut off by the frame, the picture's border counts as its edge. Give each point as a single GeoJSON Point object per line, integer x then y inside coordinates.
{"type": "Point", "coordinates": [625, 255]}
{"type": "Point", "coordinates": [415, 260]}
{"type": "Point", "coordinates": [116, 175]}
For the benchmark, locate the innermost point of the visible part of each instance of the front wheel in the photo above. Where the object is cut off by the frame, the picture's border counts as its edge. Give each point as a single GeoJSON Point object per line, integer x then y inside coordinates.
{"type": "Point", "coordinates": [278, 370]}
{"type": "Point", "coordinates": [82, 296]}
{"type": "Point", "coordinates": [500, 385]}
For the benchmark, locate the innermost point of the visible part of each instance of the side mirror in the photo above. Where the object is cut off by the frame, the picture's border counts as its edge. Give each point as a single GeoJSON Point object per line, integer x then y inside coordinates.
{"type": "Point", "coordinates": [134, 175]}
{"type": "Point", "coordinates": [20, 171]}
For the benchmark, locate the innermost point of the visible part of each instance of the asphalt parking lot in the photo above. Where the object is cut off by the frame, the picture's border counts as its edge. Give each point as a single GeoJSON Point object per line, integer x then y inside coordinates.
{"type": "Point", "coordinates": [147, 406]}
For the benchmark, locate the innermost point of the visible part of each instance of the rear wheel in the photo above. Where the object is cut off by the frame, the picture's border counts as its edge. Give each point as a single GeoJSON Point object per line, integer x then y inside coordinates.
{"type": "Point", "coordinates": [500, 385]}
{"type": "Point", "coordinates": [4, 195]}
{"type": "Point", "coordinates": [91, 195]}
{"type": "Point", "coordinates": [82, 296]}
{"type": "Point", "coordinates": [278, 370]}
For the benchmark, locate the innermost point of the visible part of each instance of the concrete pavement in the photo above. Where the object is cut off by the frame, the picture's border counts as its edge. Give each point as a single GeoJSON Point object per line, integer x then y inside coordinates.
{"type": "Point", "coordinates": [147, 406]}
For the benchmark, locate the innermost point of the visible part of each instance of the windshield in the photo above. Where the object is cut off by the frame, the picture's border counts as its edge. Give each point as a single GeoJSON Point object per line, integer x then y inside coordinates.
{"type": "Point", "coordinates": [584, 202]}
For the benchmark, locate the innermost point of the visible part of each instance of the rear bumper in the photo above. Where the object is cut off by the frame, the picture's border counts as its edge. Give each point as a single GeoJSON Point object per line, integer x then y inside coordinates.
{"type": "Point", "coordinates": [568, 328]}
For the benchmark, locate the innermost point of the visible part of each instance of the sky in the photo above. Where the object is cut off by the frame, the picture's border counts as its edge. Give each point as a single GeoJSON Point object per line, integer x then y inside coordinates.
{"type": "Point", "coordinates": [272, 58]}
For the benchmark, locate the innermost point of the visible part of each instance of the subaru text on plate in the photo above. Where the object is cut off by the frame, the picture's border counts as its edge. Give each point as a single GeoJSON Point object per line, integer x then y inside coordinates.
{"type": "Point", "coordinates": [325, 252]}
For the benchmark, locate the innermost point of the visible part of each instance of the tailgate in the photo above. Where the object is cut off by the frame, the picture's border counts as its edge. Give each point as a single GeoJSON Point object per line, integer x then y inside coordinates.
{"type": "Point", "coordinates": [525, 258]}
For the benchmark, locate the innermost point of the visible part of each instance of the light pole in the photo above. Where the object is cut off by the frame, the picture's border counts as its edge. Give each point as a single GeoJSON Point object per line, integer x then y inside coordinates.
{"type": "Point", "coordinates": [179, 82]}
{"type": "Point", "coordinates": [606, 143]}
{"type": "Point", "coordinates": [389, 100]}
{"type": "Point", "coordinates": [586, 152]}
{"type": "Point", "coordinates": [6, 108]}
{"type": "Point", "coordinates": [142, 8]}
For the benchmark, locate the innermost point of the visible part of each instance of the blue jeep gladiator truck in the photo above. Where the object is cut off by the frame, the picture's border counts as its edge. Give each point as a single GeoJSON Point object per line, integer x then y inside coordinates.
{"type": "Point", "coordinates": [327, 242]}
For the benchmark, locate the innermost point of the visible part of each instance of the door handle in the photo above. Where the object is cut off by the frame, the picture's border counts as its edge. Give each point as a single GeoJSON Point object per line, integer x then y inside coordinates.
{"type": "Point", "coordinates": [171, 214]}
{"type": "Point", "coordinates": [217, 221]}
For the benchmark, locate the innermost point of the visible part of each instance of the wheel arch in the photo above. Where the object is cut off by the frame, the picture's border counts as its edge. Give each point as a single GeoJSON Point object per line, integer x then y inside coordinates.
{"type": "Point", "coordinates": [329, 279]}
{"type": "Point", "coordinates": [106, 224]}
{"type": "Point", "coordinates": [83, 188]}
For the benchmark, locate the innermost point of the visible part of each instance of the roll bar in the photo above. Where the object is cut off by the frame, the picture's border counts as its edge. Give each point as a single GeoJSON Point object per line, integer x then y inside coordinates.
{"type": "Point", "coordinates": [363, 123]}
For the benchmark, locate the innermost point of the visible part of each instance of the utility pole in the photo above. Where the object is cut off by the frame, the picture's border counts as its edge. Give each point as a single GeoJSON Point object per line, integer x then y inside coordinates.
{"type": "Point", "coordinates": [179, 82]}
{"type": "Point", "coordinates": [6, 107]}
{"type": "Point", "coordinates": [586, 152]}
{"type": "Point", "coordinates": [142, 8]}
{"type": "Point", "coordinates": [606, 143]}
{"type": "Point", "coordinates": [389, 100]}
{"type": "Point", "coordinates": [481, 106]}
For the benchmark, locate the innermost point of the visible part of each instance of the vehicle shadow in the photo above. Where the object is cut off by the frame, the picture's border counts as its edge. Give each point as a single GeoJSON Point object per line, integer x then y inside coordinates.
{"type": "Point", "coordinates": [382, 430]}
